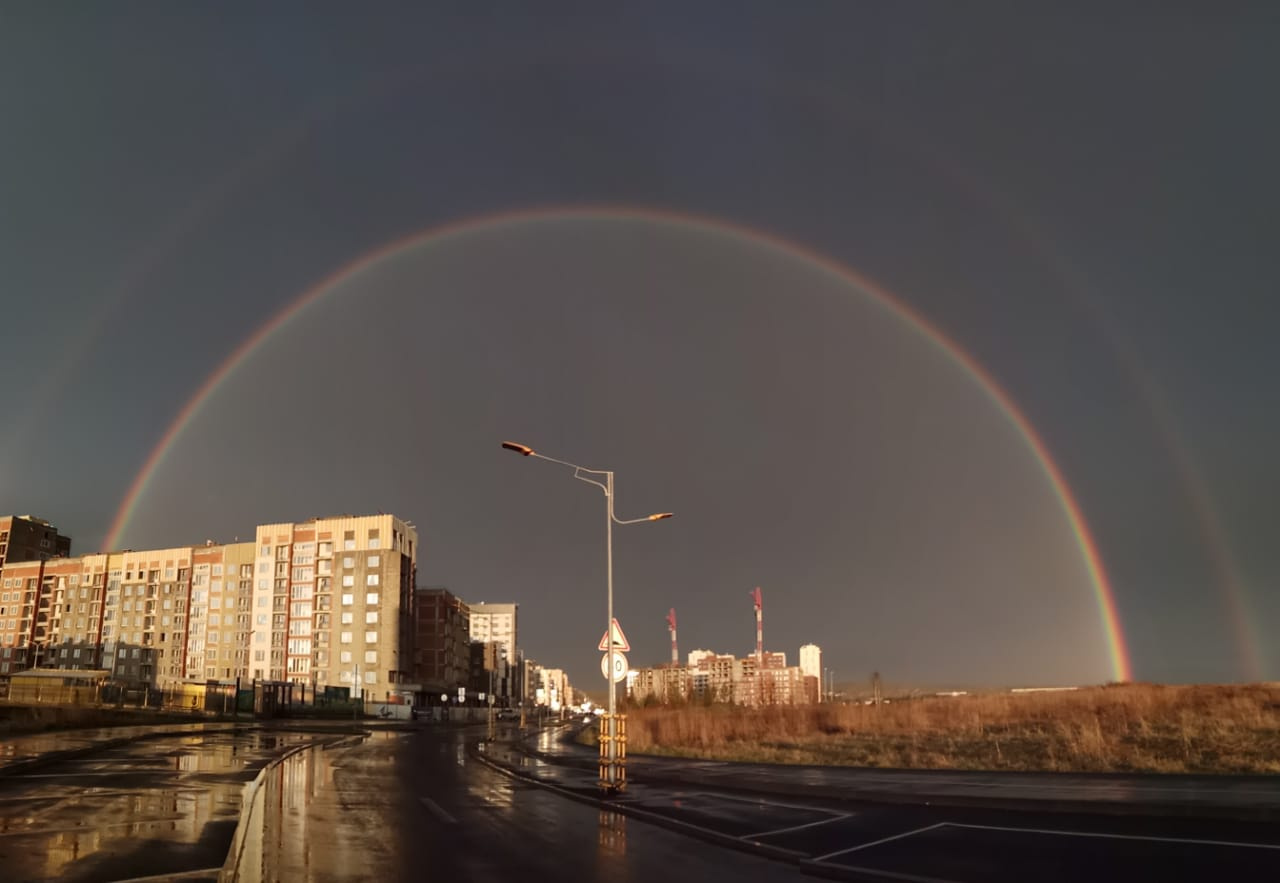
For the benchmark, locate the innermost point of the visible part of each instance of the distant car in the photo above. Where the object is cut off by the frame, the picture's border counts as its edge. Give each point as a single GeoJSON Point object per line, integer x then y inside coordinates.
{"type": "Point", "coordinates": [508, 714]}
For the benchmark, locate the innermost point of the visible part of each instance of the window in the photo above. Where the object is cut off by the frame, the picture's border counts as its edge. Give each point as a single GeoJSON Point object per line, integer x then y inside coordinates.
{"type": "Point", "coordinates": [262, 619]}
{"type": "Point", "coordinates": [371, 579]}
{"type": "Point", "coordinates": [371, 677]}
{"type": "Point", "coordinates": [348, 599]}
{"type": "Point", "coordinates": [348, 617]}
{"type": "Point", "coordinates": [345, 656]}
{"type": "Point", "coordinates": [259, 655]}
{"type": "Point", "coordinates": [374, 561]}
{"type": "Point", "coordinates": [348, 563]}
{"type": "Point", "coordinates": [348, 580]}
{"type": "Point", "coordinates": [344, 638]}
{"type": "Point", "coordinates": [371, 598]}
{"type": "Point", "coordinates": [325, 549]}
{"type": "Point", "coordinates": [371, 637]}
{"type": "Point", "coordinates": [371, 617]}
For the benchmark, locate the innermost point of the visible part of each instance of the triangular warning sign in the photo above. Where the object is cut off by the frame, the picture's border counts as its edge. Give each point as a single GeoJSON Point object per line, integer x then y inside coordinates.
{"type": "Point", "coordinates": [619, 639]}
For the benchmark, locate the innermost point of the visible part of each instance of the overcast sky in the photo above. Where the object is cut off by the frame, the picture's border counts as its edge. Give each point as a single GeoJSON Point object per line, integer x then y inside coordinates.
{"type": "Point", "coordinates": [1080, 199]}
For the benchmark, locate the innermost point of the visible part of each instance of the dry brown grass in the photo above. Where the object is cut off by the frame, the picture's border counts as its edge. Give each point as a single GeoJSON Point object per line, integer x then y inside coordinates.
{"type": "Point", "coordinates": [1125, 728]}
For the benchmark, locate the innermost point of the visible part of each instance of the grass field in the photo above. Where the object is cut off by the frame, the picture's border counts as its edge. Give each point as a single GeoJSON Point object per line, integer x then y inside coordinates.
{"type": "Point", "coordinates": [1122, 728]}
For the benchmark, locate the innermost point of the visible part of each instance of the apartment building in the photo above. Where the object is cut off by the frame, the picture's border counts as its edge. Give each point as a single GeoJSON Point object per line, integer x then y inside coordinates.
{"type": "Point", "coordinates": [333, 603]}
{"type": "Point", "coordinates": [151, 605]}
{"type": "Point", "coordinates": [27, 538]}
{"type": "Point", "coordinates": [221, 612]}
{"type": "Point", "coordinates": [496, 623]}
{"type": "Point", "coordinates": [442, 629]}
{"type": "Point", "coordinates": [21, 617]}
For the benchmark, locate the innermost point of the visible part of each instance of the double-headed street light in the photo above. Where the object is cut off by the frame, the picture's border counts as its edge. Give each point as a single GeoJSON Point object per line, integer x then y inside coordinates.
{"type": "Point", "coordinates": [610, 782]}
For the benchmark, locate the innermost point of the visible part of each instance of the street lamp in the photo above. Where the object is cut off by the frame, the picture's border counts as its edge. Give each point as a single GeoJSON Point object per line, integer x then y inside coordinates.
{"type": "Point", "coordinates": [581, 473]}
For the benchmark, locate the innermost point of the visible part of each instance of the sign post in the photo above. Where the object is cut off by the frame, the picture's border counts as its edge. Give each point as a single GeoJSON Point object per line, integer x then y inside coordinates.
{"type": "Point", "coordinates": [613, 665]}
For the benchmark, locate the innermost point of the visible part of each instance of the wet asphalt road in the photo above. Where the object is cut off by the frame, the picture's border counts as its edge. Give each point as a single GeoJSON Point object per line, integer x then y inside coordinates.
{"type": "Point", "coordinates": [415, 806]}
{"type": "Point", "coordinates": [418, 806]}
{"type": "Point", "coordinates": [153, 806]}
{"type": "Point", "coordinates": [946, 843]}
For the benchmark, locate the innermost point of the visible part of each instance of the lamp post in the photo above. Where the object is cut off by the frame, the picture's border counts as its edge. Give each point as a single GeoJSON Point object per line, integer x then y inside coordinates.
{"type": "Point", "coordinates": [610, 783]}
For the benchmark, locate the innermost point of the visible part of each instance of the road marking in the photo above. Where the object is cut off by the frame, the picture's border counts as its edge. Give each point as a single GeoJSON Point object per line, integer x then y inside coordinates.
{"type": "Point", "coordinates": [762, 801]}
{"type": "Point", "coordinates": [834, 818]}
{"type": "Point", "coordinates": [823, 858]}
{"type": "Point", "coordinates": [436, 810]}
{"type": "Point", "coordinates": [1197, 842]}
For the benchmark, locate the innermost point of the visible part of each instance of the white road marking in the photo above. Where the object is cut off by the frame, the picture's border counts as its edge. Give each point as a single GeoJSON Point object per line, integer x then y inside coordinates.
{"type": "Point", "coordinates": [834, 818]}
{"type": "Point", "coordinates": [438, 811]}
{"type": "Point", "coordinates": [823, 858]}
{"type": "Point", "coordinates": [1195, 841]}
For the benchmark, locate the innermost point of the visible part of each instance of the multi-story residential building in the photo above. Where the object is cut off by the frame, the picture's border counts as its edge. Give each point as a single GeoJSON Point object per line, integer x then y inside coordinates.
{"type": "Point", "coordinates": [27, 538]}
{"type": "Point", "coordinates": [811, 669]}
{"type": "Point", "coordinates": [152, 610]}
{"type": "Point", "coordinates": [489, 669]}
{"type": "Point", "coordinates": [333, 603]}
{"type": "Point", "coordinates": [22, 621]}
{"type": "Point", "coordinates": [497, 623]}
{"type": "Point", "coordinates": [811, 660]}
{"type": "Point", "coordinates": [441, 645]}
{"type": "Point", "coordinates": [221, 612]}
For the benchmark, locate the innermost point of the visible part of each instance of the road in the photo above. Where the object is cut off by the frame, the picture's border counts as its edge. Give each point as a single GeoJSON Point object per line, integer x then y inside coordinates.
{"type": "Point", "coordinates": [962, 844]}
{"type": "Point", "coordinates": [152, 806]}
{"type": "Point", "coordinates": [417, 804]}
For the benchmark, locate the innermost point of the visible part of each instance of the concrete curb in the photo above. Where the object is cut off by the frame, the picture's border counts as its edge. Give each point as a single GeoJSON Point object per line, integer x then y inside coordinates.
{"type": "Point", "coordinates": [230, 870]}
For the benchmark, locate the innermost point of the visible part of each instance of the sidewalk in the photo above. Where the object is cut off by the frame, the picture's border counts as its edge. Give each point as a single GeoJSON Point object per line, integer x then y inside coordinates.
{"type": "Point", "coordinates": [1198, 796]}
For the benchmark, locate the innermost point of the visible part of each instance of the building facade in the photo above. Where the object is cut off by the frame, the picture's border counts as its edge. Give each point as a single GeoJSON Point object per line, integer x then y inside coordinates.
{"type": "Point", "coordinates": [27, 538]}
{"type": "Point", "coordinates": [333, 602]}
{"type": "Point", "coordinates": [496, 623]}
{"type": "Point", "coordinates": [441, 643]}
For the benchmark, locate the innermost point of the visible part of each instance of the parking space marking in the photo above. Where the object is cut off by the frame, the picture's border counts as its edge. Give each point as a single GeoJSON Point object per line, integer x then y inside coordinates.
{"type": "Point", "coordinates": [835, 818]}
{"type": "Point", "coordinates": [438, 811]}
{"type": "Point", "coordinates": [760, 801]}
{"type": "Point", "coordinates": [823, 858]}
{"type": "Point", "coordinates": [1195, 841]}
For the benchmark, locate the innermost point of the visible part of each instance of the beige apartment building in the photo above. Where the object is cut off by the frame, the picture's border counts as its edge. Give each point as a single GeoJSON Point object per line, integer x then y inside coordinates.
{"type": "Point", "coordinates": [221, 612]}
{"type": "Point", "coordinates": [333, 603]}
{"type": "Point", "coordinates": [325, 602]}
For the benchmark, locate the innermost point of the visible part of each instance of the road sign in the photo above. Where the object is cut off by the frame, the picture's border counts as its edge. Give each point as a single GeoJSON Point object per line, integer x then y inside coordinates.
{"type": "Point", "coordinates": [619, 639]}
{"type": "Point", "coordinates": [619, 666]}
{"type": "Point", "coordinates": [462, 694]}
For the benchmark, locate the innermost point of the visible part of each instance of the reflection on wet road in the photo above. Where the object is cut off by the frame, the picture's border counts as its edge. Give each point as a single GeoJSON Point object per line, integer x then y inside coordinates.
{"type": "Point", "coordinates": [153, 806]}
{"type": "Point", "coordinates": [414, 806]}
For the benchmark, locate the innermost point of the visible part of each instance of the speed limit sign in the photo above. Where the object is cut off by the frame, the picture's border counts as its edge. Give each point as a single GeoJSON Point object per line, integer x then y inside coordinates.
{"type": "Point", "coordinates": [616, 671]}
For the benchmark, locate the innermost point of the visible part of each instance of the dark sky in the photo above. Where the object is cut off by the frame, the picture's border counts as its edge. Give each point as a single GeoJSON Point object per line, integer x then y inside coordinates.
{"type": "Point", "coordinates": [1081, 198]}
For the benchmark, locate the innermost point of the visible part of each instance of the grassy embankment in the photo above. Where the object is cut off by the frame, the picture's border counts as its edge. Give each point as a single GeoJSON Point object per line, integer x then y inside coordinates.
{"type": "Point", "coordinates": [1126, 728]}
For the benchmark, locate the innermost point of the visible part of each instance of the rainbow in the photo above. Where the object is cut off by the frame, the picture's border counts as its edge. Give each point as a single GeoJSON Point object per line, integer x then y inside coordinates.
{"type": "Point", "coordinates": [1104, 595]}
